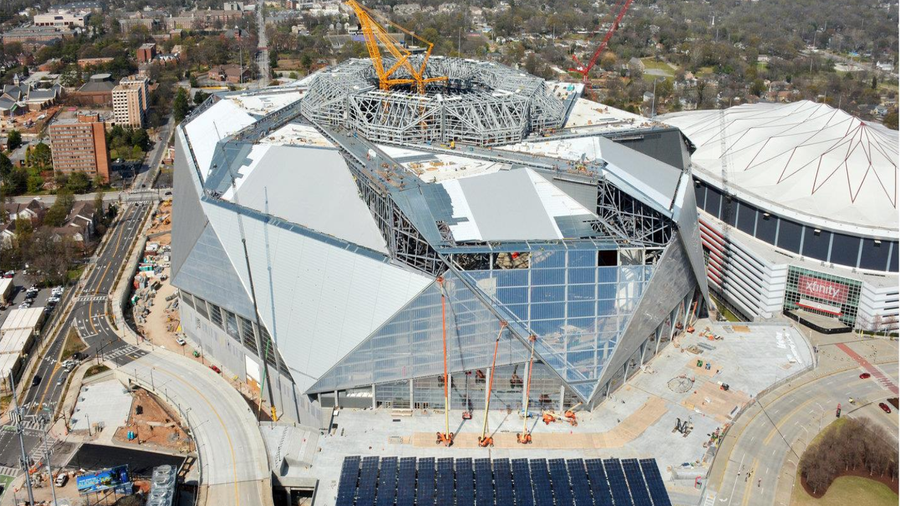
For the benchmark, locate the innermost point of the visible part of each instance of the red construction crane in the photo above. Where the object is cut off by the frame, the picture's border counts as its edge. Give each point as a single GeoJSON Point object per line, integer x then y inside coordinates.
{"type": "Point", "coordinates": [584, 70]}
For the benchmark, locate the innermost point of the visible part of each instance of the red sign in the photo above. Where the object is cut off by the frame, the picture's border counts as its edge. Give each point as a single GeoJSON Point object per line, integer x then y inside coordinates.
{"type": "Point", "coordinates": [824, 290]}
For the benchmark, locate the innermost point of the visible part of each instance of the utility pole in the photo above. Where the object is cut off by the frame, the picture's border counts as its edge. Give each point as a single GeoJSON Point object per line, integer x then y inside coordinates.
{"type": "Point", "coordinates": [17, 412]}
{"type": "Point", "coordinates": [49, 466]}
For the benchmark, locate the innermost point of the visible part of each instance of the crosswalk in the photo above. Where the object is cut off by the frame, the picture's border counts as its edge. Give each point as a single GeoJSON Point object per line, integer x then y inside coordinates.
{"type": "Point", "coordinates": [125, 350]}
{"type": "Point", "coordinates": [9, 471]}
{"type": "Point", "coordinates": [38, 452]}
{"type": "Point", "coordinates": [710, 499]}
{"type": "Point", "coordinates": [91, 298]}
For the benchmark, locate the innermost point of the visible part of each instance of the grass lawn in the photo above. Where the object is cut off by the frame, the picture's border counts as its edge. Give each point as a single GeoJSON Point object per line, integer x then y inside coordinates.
{"type": "Point", "coordinates": [651, 63]}
{"type": "Point", "coordinates": [95, 370]}
{"type": "Point", "coordinates": [5, 481]}
{"type": "Point", "coordinates": [75, 272]}
{"type": "Point", "coordinates": [73, 344]}
{"type": "Point", "coordinates": [848, 490]}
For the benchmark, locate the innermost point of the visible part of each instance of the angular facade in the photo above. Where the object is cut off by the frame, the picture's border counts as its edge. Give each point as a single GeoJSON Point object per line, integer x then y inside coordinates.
{"type": "Point", "coordinates": [331, 267]}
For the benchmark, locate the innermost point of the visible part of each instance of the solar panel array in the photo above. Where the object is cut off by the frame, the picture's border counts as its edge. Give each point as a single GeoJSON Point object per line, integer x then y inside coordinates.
{"type": "Point", "coordinates": [388, 481]}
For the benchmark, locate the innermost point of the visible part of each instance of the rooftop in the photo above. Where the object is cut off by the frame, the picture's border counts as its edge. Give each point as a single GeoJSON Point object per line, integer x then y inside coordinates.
{"type": "Point", "coordinates": [804, 160]}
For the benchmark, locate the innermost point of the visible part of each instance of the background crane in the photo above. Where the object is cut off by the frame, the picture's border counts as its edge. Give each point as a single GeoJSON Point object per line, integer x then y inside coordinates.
{"type": "Point", "coordinates": [375, 34]}
{"type": "Point", "coordinates": [583, 69]}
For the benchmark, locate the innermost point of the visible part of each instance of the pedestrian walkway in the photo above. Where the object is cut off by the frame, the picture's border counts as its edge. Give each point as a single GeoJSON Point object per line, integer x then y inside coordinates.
{"type": "Point", "coordinates": [882, 379]}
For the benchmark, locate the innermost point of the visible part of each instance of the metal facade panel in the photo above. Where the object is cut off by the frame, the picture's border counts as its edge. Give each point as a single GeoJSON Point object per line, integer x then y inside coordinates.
{"type": "Point", "coordinates": [672, 280]}
{"type": "Point", "coordinates": [188, 219]}
{"type": "Point", "coordinates": [689, 233]}
{"type": "Point", "coordinates": [584, 194]}
{"type": "Point", "coordinates": [312, 187]}
{"type": "Point", "coordinates": [661, 177]}
{"type": "Point", "coordinates": [208, 273]}
{"type": "Point", "coordinates": [326, 299]}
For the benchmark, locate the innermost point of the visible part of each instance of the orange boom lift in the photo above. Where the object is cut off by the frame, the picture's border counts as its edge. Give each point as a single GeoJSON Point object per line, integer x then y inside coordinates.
{"type": "Point", "coordinates": [446, 437]}
{"type": "Point", "coordinates": [485, 440]}
{"type": "Point", "coordinates": [524, 437]}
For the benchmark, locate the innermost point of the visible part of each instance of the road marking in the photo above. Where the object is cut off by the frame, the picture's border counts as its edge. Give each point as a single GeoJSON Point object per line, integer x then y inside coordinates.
{"type": "Point", "coordinates": [749, 480]}
{"type": "Point", "coordinates": [784, 420]}
{"type": "Point", "coordinates": [237, 496]}
{"type": "Point", "coordinates": [882, 378]}
{"type": "Point", "coordinates": [90, 298]}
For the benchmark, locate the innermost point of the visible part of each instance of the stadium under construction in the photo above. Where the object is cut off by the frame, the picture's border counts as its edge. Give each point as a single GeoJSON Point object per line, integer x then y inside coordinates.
{"type": "Point", "coordinates": [336, 243]}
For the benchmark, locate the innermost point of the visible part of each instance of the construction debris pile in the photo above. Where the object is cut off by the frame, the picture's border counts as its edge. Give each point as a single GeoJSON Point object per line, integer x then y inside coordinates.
{"type": "Point", "coordinates": [148, 279]}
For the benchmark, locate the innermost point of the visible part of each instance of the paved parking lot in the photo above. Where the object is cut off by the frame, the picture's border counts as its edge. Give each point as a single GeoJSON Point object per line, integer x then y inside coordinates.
{"type": "Point", "coordinates": [20, 284]}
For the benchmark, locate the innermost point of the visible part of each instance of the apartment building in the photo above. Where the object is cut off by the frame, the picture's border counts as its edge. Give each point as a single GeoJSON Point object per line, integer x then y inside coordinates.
{"type": "Point", "coordinates": [78, 144]}
{"type": "Point", "coordinates": [131, 100]}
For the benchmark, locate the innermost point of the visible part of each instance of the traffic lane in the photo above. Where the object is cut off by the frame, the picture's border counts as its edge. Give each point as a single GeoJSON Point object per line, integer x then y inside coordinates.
{"type": "Point", "coordinates": [762, 448]}
{"type": "Point", "coordinates": [223, 425]}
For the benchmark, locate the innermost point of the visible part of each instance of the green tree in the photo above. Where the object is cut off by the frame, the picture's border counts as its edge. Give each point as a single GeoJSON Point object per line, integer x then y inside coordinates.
{"type": "Point", "coordinates": [6, 167]}
{"type": "Point", "coordinates": [758, 88]}
{"type": "Point", "coordinates": [200, 96]}
{"type": "Point", "coordinates": [56, 215]}
{"type": "Point", "coordinates": [78, 182]}
{"type": "Point", "coordinates": [16, 183]}
{"type": "Point", "coordinates": [890, 120]}
{"type": "Point", "coordinates": [38, 157]}
{"type": "Point", "coordinates": [98, 207]}
{"type": "Point", "coordinates": [874, 82]}
{"type": "Point", "coordinates": [35, 183]}
{"type": "Point", "coordinates": [194, 83]}
{"type": "Point", "coordinates": [13, 140]}
{"type": "Point", "coordinates": [180, 105]}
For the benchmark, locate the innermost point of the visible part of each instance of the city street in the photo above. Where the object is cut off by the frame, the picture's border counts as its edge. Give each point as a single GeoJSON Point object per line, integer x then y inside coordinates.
{"type": "Point", "coordinates": [759, 465]}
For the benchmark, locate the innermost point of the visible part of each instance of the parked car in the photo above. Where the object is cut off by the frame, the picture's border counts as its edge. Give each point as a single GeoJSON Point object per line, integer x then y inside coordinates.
{"type": "Point", "coordinates": [36, 380]}
{"type": "Point", "coordinates": [181, 341]}
{"type": "Point", "coordinates": [53, 300]}
{"type": "Point", "coordinates": [216, 369]}
{"type": "Point", "coordinates": [9, 274]}
{"type": "Point", "coordinates": [62, 479]}
{"type": "Point", "coordinates": [57, 292]}
{"type": "Point", "coordinates": [865, 375]}
{"type": "Point", "coordinates": [884, 407]}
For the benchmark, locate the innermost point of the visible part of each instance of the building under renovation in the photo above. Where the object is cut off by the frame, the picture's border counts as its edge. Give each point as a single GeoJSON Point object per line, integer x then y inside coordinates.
{"type": "Point", "coordinates": [334, 241]}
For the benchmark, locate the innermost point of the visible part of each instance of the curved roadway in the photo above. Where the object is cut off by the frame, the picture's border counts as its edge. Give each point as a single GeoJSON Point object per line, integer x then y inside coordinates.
{"type": "Point", "coordinates": [232, 453]}
{"type": "Point", "coordinates": [768, 440]}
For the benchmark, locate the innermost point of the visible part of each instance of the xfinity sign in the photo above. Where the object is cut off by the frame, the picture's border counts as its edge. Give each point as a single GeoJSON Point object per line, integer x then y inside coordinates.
{"type": "Point", "coordinates": [824, 290]}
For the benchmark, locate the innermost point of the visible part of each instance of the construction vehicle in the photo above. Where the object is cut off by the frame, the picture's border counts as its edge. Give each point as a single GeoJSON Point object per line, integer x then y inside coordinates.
{"type": "Point", "coordinates": [485, 440]}
{"type": "Point", "coordinates": [524, 437]}
{"type": "Point", "coordinates": [570, 415]}
{"type": "Point", "coordinates": [583, 69]}
{"type": "Point", "coordinates": [445, 438]}
{"type": "Point", "coordinates": [376, 36]}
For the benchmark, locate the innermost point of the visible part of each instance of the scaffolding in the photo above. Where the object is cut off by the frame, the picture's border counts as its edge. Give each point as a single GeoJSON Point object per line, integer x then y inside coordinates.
{"type": "Point", "coordinates": [483, 104]}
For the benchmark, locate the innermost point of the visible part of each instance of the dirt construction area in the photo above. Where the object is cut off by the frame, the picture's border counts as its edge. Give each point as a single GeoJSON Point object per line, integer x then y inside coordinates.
{"type": "Point", "coordinates": [151, 423]}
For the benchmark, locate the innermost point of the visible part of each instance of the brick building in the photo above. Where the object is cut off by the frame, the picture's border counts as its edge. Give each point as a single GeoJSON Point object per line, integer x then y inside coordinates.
{"type": "Point", "coordinates": [78, 144]}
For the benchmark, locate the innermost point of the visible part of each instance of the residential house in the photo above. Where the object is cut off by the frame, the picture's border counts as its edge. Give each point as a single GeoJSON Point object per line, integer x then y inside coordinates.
{"type": "Point", "coordinates": [79, 226]}
{"type": "Point", "coordinates": [229, 73]}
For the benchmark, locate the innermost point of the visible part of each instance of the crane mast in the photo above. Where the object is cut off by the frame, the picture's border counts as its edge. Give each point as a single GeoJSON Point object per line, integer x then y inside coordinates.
{"type": "Point", "coordinates": [377, 36]}
{"type": "Point", "coordinates": [585, 70]}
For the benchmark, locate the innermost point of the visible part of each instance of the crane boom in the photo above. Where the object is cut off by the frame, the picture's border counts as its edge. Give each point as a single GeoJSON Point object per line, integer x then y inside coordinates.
{"type": "Point", "coordinates": [584, 70]}
{"type": "Point", "coordinates": [376, 35]}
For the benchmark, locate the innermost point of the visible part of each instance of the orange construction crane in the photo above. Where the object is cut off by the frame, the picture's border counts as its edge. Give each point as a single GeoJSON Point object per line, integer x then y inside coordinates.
{"type": "Point", "coordinates": [524, 437]}
{"type": "Point", "coordinates": [485, 440]}
{"type": "Point", "coordinates": [583, 69]}
{"type": "Point", "coordinates": [446, 437]}
{"type": "Point", "coordinates": [375, 33]}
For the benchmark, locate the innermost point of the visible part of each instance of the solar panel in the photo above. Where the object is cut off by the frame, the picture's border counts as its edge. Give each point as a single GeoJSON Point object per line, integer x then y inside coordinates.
{"type": "Point", "coordinates": [465, 483]}
{"type": "Point", "coordinates": [503, 483]}
{"type": "Point", "coordinates": [599, 484]}
{"type": "Point", "coordinates": [406, 482]}
{"type": "Point", "coordinates": [581, 489]}
{"type": "Point", "coordinates": [347, 484]}
{"type": "Point", "coordinates": [540, 481]}
{"type": "Point", "coordinates": [636, 485]}
{"type": "Point", "coordinates": [484, 483]}
{"type": "Point", "coordinates": [655, 483]}
{"type": "Point", "coordinates": [368, 476]}
{"type": "Point", "coordinates": [445, 482]}
{"type": "Point", "coordinates": [425, 482]}
{"type": "Point", "coordinates": [387, 482]}
{"type": "Point", "coordinates": [522, 483]}
{"type": "Point", "coordinates": [617, 481]}
{"type": "Point", "coordinates": [559, 477]}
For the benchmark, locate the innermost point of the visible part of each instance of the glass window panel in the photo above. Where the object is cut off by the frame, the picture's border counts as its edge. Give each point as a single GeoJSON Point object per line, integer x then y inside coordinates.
{"type": "Point", "coordinates": [789, 235]}
{"type": "Point", "coordinates": [607, 274]}
{"type": "Point", "coordinates": [512, 295]}
{"type": "Point", "coordinates": [542, 260]}
{"type": "Point", "coordinates": [582, 292]}
{"type": "Point", "coordinates": [607, 291]}
{"type": "Point", "coordinates": [548, 277]}
{"type": "Point", "coordinates": [231, 325]}
{"type": "Point", "coordinates": [546, 327]}
{"type": "Point", "coordinates": [577, 309]}
{"type": "Point", "coordinates": [520, 310]}
{"type": "Point", "coordinates": [815, 245]}
{"type": "Point", "coordinates": [582, 276]}
{"type": "Point", "coordinates": [548, 294]}
{"type": "Point", "coordinates": [547, 311]}
{"type": "Point", "coordinates": [875, 255]}
{"type": "Point", "coordinates": [844, 250]}
{"type": "Point", "coordinates": [512, 278]}
{"type": "Point", "coordinates": [582, 258]}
